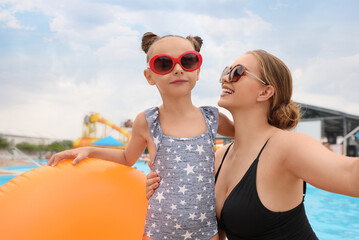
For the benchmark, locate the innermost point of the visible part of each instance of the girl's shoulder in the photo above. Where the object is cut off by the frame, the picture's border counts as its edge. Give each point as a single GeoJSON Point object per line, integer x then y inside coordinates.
{"type": "Point", "coordinates": [140, 121]}
{"type": "Point", "coordinates": [210, 111]}
{"type": "Point", "coordinates": [209, 108]}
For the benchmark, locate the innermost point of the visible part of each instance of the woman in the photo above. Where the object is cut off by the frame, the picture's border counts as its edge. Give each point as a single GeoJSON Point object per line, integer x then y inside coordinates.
{"type": "Point", "coordinates": [260, 177]}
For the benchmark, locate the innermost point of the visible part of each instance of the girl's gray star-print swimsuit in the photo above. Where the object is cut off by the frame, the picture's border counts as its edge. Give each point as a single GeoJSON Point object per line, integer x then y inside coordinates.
{"type": "Point", "coordinates": [183, 206]}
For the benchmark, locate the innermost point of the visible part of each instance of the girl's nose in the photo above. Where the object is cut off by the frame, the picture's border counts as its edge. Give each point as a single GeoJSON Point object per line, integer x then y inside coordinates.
{"type": "Point", "coordinates": [177, 69]}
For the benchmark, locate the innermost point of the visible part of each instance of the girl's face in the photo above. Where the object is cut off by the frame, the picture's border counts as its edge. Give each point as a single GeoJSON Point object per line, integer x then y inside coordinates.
{"type": "Point", "coordinates": [178, 82]}
{"type": "Point", "coordinates": [246, 91]}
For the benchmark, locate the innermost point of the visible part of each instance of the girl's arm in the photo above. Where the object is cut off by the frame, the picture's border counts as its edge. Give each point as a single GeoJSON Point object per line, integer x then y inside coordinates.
{"type": "Point", "coordinates": [225, 126]}
{"type": "Point", "coordinates": [129, 156]}
{"type": "Point", "coordinates": [309, 160]}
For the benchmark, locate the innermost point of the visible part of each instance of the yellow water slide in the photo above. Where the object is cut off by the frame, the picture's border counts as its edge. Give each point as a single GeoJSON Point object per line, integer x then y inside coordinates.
{"type": "Point", "coordinates": [96, 118]}
{"type": "Point", "coordinates": [89, 130]}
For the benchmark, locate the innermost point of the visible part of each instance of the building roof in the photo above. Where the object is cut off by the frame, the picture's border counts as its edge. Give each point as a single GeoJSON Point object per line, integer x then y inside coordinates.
{"type": "Point", "coordinates": [335, 123]}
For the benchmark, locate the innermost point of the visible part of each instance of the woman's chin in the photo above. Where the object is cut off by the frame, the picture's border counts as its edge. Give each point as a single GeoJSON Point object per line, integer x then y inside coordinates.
{"type": "Point", "coordinates": [222, 103]}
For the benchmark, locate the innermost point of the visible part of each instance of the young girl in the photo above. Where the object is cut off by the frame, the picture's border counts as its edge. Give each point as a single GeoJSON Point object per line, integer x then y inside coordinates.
{"type": "Point", "coordinates": [179, 138]}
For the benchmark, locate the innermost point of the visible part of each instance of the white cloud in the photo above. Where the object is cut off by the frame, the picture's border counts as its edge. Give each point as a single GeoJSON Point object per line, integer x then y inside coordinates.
{"type": "Point", "coordinates": [10, 21]}
{"type": "Point", "coordinates": [329, 82]}
{"type": "Point", "coordinates": [234, 28]}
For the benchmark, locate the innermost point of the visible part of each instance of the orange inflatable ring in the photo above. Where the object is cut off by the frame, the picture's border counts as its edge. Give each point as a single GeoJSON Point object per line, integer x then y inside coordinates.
{"type": "Point", "coordinates": [94, 200]}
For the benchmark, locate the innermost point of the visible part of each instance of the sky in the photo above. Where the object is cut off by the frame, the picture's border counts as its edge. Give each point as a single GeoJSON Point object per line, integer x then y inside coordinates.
{"type": "Point", "coordinates": [61, 60]}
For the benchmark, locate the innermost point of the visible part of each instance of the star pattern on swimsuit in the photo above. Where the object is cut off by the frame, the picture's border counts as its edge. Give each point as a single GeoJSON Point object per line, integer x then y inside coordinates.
{"type": "Point", "coordinates": [156, 141]}
{"type": "Point", "coordinates": [189, 147]}
{"type": "Point", "coordinates": [183, 189]}
{"type": "Point", "coordinates": [189, 169]}
{"type": "Point", "coordinates": [160, 196]}
{"type": "Point", "coordinates": [187, 235]}
{"type": "Point", "coordinates": [186, 169]}
{"type": "Point", "coordinates": [199, 149]}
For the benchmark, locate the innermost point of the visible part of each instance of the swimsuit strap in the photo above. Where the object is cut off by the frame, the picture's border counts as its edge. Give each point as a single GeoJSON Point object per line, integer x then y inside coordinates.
{"type": "Point", "coordinates": [225, 154]}
{"type": "Point", "coordinates": [154, 125]}
{"type": "Point", "coordinates": [304, 182]}
{"type": "Point", "coordinates": [260, 152]}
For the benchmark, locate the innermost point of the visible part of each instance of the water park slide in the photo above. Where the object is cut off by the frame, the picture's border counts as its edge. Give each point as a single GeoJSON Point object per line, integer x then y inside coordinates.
{"type": "Point", "coordinates": [89, 125]}
{"type": "Point", "coordinates": [95, 199]}
{"type": "Point", "coordinates": [96, 118]}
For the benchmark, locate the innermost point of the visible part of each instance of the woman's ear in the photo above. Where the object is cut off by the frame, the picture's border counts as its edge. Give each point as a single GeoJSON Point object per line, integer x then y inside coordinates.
{"type": "Point", "coordinates": [148, 76]}
{"type": "Point", "coordinates": [266, 93]}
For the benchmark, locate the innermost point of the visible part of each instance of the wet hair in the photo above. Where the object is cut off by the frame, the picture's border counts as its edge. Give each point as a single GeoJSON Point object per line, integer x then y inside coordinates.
{"type": "Point", "coordinates": [149, 38]}
{"type": "Point", "coordinates": [283, 113]}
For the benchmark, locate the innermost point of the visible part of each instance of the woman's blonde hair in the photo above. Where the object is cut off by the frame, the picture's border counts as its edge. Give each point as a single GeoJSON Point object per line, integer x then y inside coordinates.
{"type": "Point", "coordinates": [149, 38]}
{"type": "Point", "coordinates": [284, 113]}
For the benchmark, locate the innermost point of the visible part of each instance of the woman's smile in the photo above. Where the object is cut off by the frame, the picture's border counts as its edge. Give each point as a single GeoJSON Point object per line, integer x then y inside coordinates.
{"type": "Point", "coordinates": [226, 91]}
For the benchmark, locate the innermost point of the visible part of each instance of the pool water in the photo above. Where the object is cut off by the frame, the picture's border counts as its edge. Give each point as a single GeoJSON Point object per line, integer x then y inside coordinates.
{"type": "Point", "coordinates": [332, 216]}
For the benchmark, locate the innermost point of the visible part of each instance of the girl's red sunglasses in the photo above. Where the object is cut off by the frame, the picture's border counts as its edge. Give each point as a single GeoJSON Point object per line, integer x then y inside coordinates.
{"type": "Point", "coordinates": [163, 64]}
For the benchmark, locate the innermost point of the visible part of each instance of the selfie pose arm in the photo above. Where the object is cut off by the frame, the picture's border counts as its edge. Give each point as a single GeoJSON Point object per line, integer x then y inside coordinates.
{"type": "Point", "coordinates": [309, 160]}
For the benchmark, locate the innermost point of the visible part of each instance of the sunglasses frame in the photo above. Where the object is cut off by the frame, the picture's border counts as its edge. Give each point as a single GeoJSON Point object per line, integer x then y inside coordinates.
{"type": "Point", "coordinates": [231, 72]}
{"type": "Point", "coordinates": [151, 66]}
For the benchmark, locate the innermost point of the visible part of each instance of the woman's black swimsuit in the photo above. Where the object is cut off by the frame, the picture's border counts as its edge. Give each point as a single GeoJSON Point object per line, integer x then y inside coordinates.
{"type": "Point", "coordinates": [244, 217]}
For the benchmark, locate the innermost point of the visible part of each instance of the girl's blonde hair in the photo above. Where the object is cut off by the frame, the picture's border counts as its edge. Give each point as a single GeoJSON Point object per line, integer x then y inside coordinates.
{"type": "Point", "coordinates": [284, 113]}
{"type": "Point", "coordinates": [149, 38]}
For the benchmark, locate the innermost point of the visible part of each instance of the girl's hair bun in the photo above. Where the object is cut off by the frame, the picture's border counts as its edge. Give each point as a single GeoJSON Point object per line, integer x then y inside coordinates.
{"type": "Point", "coordinates": [196, 42]}
{"type": "Point", "coordinates": [147, 40]}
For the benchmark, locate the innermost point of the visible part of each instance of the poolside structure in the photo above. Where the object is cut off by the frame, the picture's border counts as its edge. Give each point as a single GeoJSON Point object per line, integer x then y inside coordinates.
{"type": "Point", "coordinates": [336, 126]}
{"type": "Point", "coordinates": [89, 133]}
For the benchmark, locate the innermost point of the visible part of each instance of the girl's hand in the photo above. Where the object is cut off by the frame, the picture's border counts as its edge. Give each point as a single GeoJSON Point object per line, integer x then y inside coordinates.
{"type": "Point", "coordinates": [78, 154]}
{"type": "Point", "coordinates": [152, 183]}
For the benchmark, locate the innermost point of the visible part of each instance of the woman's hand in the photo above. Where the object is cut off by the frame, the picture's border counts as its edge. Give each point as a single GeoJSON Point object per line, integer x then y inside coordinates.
{"type": "Point", "coordinates": [77, 154]}
{"type": "Point", "coordinates": [152, 183]}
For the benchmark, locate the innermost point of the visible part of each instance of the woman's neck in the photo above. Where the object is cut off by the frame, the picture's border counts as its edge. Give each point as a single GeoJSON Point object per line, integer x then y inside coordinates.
{"type": "Point", "coordinates": [251, 127]}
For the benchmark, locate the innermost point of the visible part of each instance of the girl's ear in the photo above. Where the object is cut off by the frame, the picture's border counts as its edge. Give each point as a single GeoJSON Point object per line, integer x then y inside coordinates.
{"type": "Point", "coordinates": [148, 76]}
{"type": "Point", "coordinates": [266, 93]}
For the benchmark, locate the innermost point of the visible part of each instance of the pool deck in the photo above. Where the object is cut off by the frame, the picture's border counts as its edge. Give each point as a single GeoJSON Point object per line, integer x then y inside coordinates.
{"type": "Point", "coordinates": [4, 172]}
{"type": "Point", "coordinates": [6, 163]}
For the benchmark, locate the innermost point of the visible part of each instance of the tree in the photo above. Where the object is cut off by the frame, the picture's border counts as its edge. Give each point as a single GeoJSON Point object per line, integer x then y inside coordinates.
{"type": "Point", "coordinates": [58, 146]}
{"type": "Point", "coordinates": [3, 143]}
{"type": "Point", "coordinates": [27, 147]}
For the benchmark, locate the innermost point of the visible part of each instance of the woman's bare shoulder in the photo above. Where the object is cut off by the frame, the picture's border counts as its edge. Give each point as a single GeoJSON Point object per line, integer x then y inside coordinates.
{"type": "Point", "coordinates": [219, 155]}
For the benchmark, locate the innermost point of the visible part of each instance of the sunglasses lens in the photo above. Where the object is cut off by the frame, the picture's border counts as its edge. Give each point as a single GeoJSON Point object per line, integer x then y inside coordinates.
{"type": "Point", "coordinates": [237, 73]}
{"type": "Point", "coordinates": [225, 71]}
{"type": "Point", "coordinates": [163, 64]}
{"type": "Point", "coordinates": [189, 61]}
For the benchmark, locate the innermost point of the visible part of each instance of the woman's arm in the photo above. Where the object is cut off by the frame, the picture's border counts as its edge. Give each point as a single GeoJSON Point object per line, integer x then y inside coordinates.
{"type": "Point", "coordinates": [225, 126]}
{"type": "Point", "coordinates": [309, 160]}
{"type": "Point", "coordinates": [129, 156]}
{"type": "Point", "coordinates": [221, 234]}
{"type": "Point", "coordinates": [152, 183]}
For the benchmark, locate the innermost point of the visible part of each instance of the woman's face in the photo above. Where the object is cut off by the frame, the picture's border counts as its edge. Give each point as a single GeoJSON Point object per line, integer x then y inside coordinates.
{"type": "Point", "coordinates": [243, 93]}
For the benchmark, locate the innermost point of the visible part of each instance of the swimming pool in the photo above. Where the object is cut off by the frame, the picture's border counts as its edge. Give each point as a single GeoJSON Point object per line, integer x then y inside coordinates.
{"type": "Point", "coordinates": [332, 216]}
